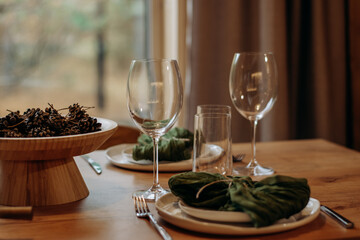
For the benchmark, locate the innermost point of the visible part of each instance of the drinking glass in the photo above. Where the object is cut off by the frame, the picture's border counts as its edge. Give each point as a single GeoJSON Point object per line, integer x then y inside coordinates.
{"type": "Point", "coordinates": [216, 109]}
{"type": "Point", "coordinates": [213, 108]}
{"type": "Point", "coordinates": [154, 100]}
{"type": "Point", "coordinates": [253, 88]}
{"type": "Point", "coordinates": [212, 143]}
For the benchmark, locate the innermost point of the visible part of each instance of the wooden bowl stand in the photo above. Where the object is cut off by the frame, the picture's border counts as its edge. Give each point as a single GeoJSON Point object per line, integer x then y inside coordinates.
{"type": "Point", "coordinates": [41, 183]}
{"type": "Point", "coordinates": [42, 171]}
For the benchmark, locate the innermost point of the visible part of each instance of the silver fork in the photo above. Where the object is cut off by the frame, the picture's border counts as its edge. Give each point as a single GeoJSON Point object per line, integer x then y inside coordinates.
{"type": "Point", "coordinates": [142, 211]}
{"type": "Point", "coordinates": [238, 158]}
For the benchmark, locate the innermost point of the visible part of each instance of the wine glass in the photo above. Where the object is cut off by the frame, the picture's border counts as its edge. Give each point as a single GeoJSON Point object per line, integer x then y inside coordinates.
{"type": "Point", "coordinates": [253, 88]}
{"type": "Point", "coordinates": [154, 100]}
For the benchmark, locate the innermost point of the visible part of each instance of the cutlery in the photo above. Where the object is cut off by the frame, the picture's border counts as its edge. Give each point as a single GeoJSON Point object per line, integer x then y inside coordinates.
{"type": "Point", "coordinates": [238, 158]}
{"type": "Point", "coordinates": [25, 212]}
{"type": "Point", "coordinates": [340, 219]}
{"type": "Point", "coordinates": [93, 164]}
{"type": "Point", "coordinates": [142, 211]}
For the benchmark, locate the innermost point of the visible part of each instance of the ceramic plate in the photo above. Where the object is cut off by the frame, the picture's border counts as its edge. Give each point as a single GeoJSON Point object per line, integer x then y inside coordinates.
{"type": "Point", "coordinates": [169, 209]}
{"type": "Point", "coordinates": [212, 215]}
{"type": "Point", "coordinates": [121, 156]}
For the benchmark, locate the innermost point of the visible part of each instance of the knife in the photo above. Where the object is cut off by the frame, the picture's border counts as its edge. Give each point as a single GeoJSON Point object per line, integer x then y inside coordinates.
{"type": "Point", "coordinates": [93, 164]}
{"type": "Point", "coordinates": [25, 212]}
{"type": "Point", "coordinates": [342, 220]}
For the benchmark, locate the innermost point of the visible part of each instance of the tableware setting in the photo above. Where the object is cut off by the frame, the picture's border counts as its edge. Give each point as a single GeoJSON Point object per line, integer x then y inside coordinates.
{"type": "Point", "coordinates": [169, 209]}
{"type": "Point", "coordinates": [142, 211]}
{"type": "Point", "coordinates": [209, 117]}
{"type": "Point", "coordinates": [339, 218]}
{"type": "Point", "coordinates": [214, 198]}
{"type": "Point", "coordinates": [21, 212]}
{"type": "Point", "coordinates": [212, 129]}
{"type": "Point", "coordinates": [213, 215]}
{"type": "Point", "coordinates": [154, 100]}
{"type": "Point", "coordinates": [213, 108]}
{"type": "Point", "coordinates": [211, 203]}
{"type": "Point", "coordinates": [253, 90]}
{"type": "Point", "coordinates": [121, 156]}
{"type": "Point", "coordinates": [253, 86]}
{"type": "Point", "coordinates": [93, 164]}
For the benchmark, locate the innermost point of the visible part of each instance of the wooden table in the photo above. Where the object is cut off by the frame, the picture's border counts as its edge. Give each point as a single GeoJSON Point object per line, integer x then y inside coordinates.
{"type": "Point", "coordinates": [333, 173]}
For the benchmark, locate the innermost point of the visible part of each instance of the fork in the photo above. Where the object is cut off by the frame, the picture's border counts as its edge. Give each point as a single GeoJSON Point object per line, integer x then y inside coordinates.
{"type": "Point", "coordinates": [142, 211]}
{"type": "Point", "coordinates": [238, 158]}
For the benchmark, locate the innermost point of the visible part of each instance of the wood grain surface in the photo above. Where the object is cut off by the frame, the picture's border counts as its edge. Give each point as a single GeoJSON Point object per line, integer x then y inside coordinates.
{"type": "Point", "coordinates": [333, 173]}
{"type": "Point", "coordinates": [42, 171]}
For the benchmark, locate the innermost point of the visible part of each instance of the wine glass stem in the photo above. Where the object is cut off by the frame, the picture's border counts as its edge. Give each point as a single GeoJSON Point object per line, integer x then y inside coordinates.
{"type": "Point", "coordinates": [253, 161]}
{"type": "Point", "coordinates": [156, 184]}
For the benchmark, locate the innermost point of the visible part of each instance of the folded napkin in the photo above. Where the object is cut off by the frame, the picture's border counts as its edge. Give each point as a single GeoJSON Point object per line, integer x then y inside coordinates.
{"type": "Point", "coordinates": [265, 201]}
{"type": "Point", "coordinates": [175, 145]}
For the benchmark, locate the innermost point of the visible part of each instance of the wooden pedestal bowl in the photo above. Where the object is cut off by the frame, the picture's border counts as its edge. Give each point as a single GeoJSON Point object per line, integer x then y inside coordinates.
{"type": "Point", "coordinates": [42, 171]}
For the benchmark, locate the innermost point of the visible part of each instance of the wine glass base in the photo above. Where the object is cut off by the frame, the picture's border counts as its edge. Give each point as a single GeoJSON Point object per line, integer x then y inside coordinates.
{"type": "Point", "coordinates": [150, 194]}
{"type": "Point", "coordinates": [253, 171]}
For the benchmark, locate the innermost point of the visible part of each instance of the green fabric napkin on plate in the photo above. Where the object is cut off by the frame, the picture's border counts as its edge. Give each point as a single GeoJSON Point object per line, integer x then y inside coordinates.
{"type": "Point", "coordinates": [265, 201]}
{"type": "Point", "coordinates": [175, 145]}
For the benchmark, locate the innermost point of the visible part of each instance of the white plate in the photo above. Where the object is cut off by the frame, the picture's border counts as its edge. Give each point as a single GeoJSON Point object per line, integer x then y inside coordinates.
{"type": "Point", "coordinates": [121, 156]}
{"type": "Point", "coordinates": [168, 208]}
{"type": "Point", "coordinates": [212, 215]}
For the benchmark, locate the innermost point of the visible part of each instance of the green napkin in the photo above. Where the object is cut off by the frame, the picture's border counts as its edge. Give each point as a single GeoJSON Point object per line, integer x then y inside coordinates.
{"type": "Point", "coordinates": [175, 145]}
{"type": "Point", "coordinates": [265, 201]}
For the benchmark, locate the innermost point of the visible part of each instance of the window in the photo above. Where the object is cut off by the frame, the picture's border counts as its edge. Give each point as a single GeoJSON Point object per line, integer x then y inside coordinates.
{"type": "Point", "coordinates": [79, 51]}
{"type": "Point", "coordinates": [73, 51]}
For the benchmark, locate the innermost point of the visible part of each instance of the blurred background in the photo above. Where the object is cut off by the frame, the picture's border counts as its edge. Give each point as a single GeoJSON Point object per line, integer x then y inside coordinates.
{"type": "Point", "coordinates": [79, 51]}
{"type": "Point", "coordinates": [65, 52]}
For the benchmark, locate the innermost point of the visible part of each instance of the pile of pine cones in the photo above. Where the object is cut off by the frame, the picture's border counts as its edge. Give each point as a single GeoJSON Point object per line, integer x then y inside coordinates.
{"type": "Point", "coordinates": [48, 123]}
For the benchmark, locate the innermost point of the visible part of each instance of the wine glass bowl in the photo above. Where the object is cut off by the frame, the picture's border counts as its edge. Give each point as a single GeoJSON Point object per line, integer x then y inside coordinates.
{"type": "Point", "coordinates": [253, 89]}
{"type": "Point", "coordinates": [154, 100]}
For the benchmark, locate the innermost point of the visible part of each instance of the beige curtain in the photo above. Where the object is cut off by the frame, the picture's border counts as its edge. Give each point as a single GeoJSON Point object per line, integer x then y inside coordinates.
{"type": "Point", "coordinates": [308, 39]}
